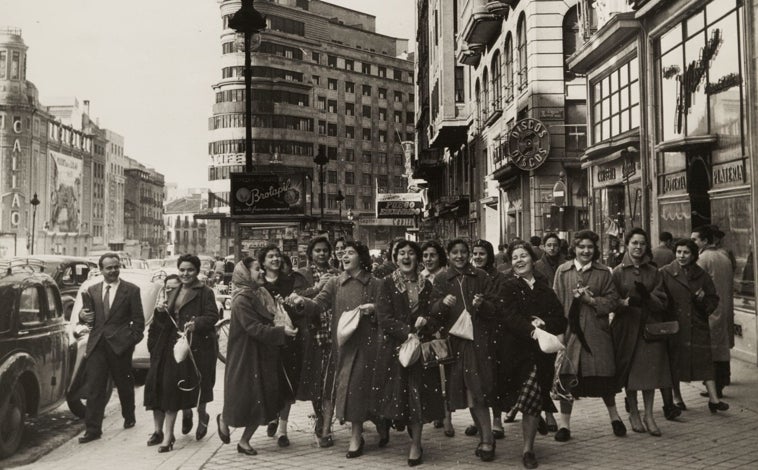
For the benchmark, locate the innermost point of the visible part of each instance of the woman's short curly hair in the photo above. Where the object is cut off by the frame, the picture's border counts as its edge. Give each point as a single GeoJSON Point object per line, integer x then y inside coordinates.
{"type": "Point", "coordinates": [457, 241]}
{"type": "Point", "coordinates": [312, 245]}
{"type": "Point", "coordinates": [402, 244]}
{"type": "Point", "coordinates": [435, 245]}
{"type": "Point", "coordinates": [264, 251]}
{"type": "Point", "coordinates": [189, 258]}
{"type": "Point", "coordinates": [522, 245]}
{"type": "Point", "coordinates": [689, 244]}
{"type": "Point", "coordinates": [363, 254]}
{"type": "Point", "coordinates": [586, 235]}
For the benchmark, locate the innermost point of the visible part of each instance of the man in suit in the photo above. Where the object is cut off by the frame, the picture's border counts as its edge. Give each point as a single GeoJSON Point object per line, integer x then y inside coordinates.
{"type": "Point", "coordinates": [113, 311]}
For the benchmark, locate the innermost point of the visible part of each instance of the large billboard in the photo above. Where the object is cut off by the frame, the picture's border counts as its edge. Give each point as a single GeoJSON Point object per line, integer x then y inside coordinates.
{"type": "Point", "coordinates": [267, 194]}
{"type": "Point", "coordinates": [66, 193]}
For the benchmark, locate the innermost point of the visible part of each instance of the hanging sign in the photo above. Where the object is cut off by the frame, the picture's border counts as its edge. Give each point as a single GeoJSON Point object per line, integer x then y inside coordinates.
{"type": "Point", "coordinates": [529, 144]}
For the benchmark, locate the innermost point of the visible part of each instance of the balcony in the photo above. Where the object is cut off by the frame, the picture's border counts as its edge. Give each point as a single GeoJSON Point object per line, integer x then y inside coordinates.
{"type": "Point", "coordinates": [501, 8]}
{"type": "Point", "coordinates": [466, 55]}
{"type": "Point", "coordinates": [482, 26]}
{"type": "Point", "coordinates": [617, 31]}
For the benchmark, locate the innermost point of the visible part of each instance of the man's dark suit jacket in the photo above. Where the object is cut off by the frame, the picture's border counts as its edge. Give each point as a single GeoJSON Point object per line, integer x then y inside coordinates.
{"type": "Point", "coordinates": [125, 325]}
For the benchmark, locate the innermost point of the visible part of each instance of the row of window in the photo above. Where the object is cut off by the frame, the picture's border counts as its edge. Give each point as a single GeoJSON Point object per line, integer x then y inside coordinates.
{"type": "Point", "coordinates": [366, 90]}
{"type": "Point", "coordinates": [262, 72]}
{"type": "Point", "coordinates": [366, 68]}
{"type": "Point", "coordinates": [330, 129]}
{"type": "Point", "coordinates": [288, 147]}
{"type": "Point", "coordinates": [264, 96]}
{"type": "Point", "coordinates": [221, 199]}
{"type": "Point", "coordinates": [17, 69]}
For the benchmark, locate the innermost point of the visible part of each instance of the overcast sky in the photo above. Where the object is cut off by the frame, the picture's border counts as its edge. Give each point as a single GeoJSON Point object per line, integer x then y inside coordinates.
{"type": "Point", "coordinates": [147, 67]}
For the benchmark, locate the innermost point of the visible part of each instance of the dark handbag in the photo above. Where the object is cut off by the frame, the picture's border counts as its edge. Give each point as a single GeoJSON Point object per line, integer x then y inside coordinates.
{"type": "Point", "coordinates": [660, 331]}
{"type": "Point", "coordinates": [436, 352]}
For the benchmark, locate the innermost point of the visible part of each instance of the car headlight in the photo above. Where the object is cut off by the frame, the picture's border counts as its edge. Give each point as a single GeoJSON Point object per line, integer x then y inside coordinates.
{"type": "Point", "coordinates": [228, 304]}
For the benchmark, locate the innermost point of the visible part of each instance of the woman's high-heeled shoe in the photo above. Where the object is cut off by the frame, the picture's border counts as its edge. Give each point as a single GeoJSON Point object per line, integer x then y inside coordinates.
{"type": "Point", "coordinates": [486, 455]}
{"type": "Point", "coordinates": [637, 426]}
{"type": "Point", "coordinates": [720, 406]}
{"type": "Point", "coordinates": [418, 461]}
{"type": "Point", "coordinates": [223, 435]}
{"type": "Point", "coordinates": [155, 438]}
{"type": "Point", "coordinates": [169, 447]}
{"type": "Point", "coordinates": [351, 454]}
{"type": "Point", "coordinates": [653, 429]}
{"type": "Point", "coordinates": [202, 426]}
{"type": "Point", "coordinates": [242, 450]}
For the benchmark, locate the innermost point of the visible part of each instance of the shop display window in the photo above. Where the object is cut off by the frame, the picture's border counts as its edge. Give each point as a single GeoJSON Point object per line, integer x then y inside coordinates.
{"type": "Point", "coordinates": [732, 215]}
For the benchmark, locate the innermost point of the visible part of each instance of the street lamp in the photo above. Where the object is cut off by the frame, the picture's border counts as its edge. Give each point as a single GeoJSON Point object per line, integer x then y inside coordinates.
{"type": "Point", "coordinates": [34, 202]}
{"type": "Point", "coordinates": [340, 198]}
{"type": "Point", "coordinates": [321, 159]}
{"type": "Point", "coordinates": [351, 217]}
{"type": "Point", "coordinates": [248, 21]}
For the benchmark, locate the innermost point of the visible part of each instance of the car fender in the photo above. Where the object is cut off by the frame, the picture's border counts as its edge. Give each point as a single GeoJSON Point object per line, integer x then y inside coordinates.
{"type": "Point", "coordinates": [14, 365]}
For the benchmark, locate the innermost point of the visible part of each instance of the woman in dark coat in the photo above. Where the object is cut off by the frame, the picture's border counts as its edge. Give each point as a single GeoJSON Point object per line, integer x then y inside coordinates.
{"type": "Point", "coordinates": [640, 365]}
{"type": "Point", "coordinates": [280, 286]}
{"type": "Point", "coordinates": [169, 386]}
{"type": "Point", "coordinates": [408, 395]}
{"type": "Point", "coordinates": [317, 336]}
{"type": "Point", "coordinates": [471, 382]}
{"type": "Point", "coordinates": [351, 369]}
{"type": "Point", "coordinates": [586, 291]}
{"type": "Point", "coordinates": [692, 298]}
{"type": "Point", "coordinates": [254, 378]}
{"type": "Point", "coordinates": [525, 373]}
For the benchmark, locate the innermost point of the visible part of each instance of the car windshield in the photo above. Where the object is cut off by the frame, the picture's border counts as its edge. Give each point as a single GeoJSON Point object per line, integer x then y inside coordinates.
{"type": "Point", "coordinates": [6, 306]}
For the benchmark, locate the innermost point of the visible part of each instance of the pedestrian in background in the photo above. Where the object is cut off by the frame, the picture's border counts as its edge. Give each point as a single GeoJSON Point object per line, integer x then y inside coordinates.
{"type": "Point", "coordinates": [351, 368]}
{"type": "Point", "coordinates": [113, 312]}
{"type": "Point", "coordinates": [317, 337]}
{"type": "Point", "coordinates": [465, 290]}
{"type": "Point", "coordinates": [719, 267]}
{"type": "Point", "coordinates": [663, 254]}
{"type": "Point", "coordinates": [172, 386]}
{"type": "Point", "coordinates": [585, 288]}
{"type": "Point", "coordinates": [525, 373]}
{"type": "Point", "coordinates": [641, 365]}
{"type": "Point", "coordinates": [254, 374]}
{"type": "Point", "coordinates": [500, 255]}
{"type": "Point", "coordinates": [339, 250]}
{"type": "Point", "coordinates": [692, 298]}
{"type": "Point", "coordinates": [388, 266]}
{"type": "Point", "coordinates": [410, 395]}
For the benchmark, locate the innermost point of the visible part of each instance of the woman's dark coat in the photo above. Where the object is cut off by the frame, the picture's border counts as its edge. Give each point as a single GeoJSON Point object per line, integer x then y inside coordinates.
{"type": "Point", "coordinates": [349, 375]}
{"type": "Point", "coordinates": [691, 351]}
{"type": "Point", "coordinates": [161, 384]}
{"type": "Point", "coordinates": [253, 380]}
{"type": "Point", "coordinates": [517, 352]}
{"type": "Point", "coordinates": [474, 368]}
{"type": "Point", "coordinates": [406, 394]}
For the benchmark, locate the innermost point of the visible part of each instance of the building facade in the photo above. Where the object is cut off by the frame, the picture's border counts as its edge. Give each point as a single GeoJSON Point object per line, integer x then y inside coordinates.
{"type": "Point", "coordinates": [322, 78]}
{"type": "Point", "coordinates": [184, 234]}
{"type": "Point", "coordinates": [671, 89]}
{"type": "Point", "coordinates": [504, 119]}
{"type": "Point", "coordinates": [143, 211]}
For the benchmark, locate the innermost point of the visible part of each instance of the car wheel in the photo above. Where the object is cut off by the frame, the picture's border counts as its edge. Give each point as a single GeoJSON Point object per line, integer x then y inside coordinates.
{"type": "Point", "coordinates": [77, 395]}
{"type": "Point", "coordinates": [222, 333]}
{"type": "Point", "coordinates": [12, 421]}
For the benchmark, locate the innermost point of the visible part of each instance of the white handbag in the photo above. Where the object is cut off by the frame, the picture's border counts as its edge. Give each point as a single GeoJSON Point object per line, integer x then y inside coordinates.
{"type": "Point", "coordinates": [181, 348]}
{"type": "Point", "coordinates": [463, 326]}
{"type": "Point", "coordinates": [410, 351]}
{"type": "Point", "coordinates": [347, 325]}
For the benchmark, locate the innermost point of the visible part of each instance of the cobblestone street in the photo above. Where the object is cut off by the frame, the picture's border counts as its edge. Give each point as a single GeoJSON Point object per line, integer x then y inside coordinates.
{"type": "Point", "coordinates": [697, 440]}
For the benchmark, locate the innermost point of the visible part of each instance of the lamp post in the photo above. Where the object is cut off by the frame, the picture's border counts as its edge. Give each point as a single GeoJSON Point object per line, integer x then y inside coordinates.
{"type": "Point", "coordinates": [340, 199]}
{"type": "Point", "coordinates": [351, 218]}
{"type": "Point", "coordinates": [248, 21]}
{"type": "Point", "coordinates": [321, 159]}
{"type": "Point", "coordinates": [34, 202]}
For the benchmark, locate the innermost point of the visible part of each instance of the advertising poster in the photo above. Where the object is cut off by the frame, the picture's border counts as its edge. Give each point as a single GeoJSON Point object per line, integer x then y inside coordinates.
{"type": "Point", "coordinates": [398, 205]}
{"type": "Point", "coordinates": [66, 193]}
{"type": "Point", "coordinates": [272, 194]}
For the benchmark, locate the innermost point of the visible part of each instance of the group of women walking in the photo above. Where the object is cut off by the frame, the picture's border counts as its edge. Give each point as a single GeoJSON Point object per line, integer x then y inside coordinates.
{"type": "Point", "coordinates": [333, 334]}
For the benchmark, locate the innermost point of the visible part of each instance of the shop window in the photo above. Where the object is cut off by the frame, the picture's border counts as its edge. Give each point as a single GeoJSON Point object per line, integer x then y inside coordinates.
{"type": "Point", "coordinates": [733, 216]}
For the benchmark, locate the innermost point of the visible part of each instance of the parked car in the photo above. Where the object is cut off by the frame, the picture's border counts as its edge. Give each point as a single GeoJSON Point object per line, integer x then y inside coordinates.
{"type": "Point", "coordinates": [69, 272]}
{"type": "Point", "coordinates": [37, 356]}
{"type": "Point", "coordinates": [154, 263]}
{"type": "Point", "coordinates": [139, 263]}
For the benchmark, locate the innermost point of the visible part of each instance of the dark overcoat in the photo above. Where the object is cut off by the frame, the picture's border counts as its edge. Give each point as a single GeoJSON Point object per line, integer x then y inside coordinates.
{"type": "Point", "coordinates": [350, 372]}
{"type": "Point", "coordinates": [716, 263]}
{"type": "Point", "coordinates": [253, 380]}
{"type": "Point", "coordinates": [406, 394]}
{"type": "Point", "coordinates": [517, 352]}
{"type": "Point", "coordinates": [162, 389]}
{"type": "Point", "coordinates": [691, 352]}
{"type": "Point", "coordinates": [474, 369]}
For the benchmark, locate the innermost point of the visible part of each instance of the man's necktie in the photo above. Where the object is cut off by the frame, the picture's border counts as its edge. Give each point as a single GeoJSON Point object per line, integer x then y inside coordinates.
{"type": "Point", "coordinates": [107, 301]}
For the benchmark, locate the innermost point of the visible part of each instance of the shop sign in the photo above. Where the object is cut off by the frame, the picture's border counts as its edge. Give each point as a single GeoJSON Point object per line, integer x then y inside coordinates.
{"type": "Point", "coordinates": [394, 205]}
{"type": "Point", "coordinates": [528, 144]}
{"type": "Point", "coordinates": [551, 114]}
{"type": "Point", "coordinates": [728, 174]}
{"type": "Point", "coordinates": [372, 221]}
{"type": "Point", "coordinates": [272, 194]}
{"type": "Point", "coordinates": [674, 183]}
{"type": "Point", "coordinates": [228, 159]}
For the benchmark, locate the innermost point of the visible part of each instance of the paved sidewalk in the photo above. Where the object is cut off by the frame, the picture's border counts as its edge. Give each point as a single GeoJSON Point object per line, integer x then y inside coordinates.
{"type": "Point", "coordinates": [698, 439]}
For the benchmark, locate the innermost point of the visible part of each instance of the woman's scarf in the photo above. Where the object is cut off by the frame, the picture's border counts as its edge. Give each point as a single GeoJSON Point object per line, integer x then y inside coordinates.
{"type": "Point", "coordinates": [405, 283]}
{"type": "Point", "coordinates": [242, 280]}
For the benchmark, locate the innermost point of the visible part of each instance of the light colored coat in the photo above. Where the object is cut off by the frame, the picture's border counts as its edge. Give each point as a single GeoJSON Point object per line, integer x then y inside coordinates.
{"type": "Point", "coordinates": [717, 265]}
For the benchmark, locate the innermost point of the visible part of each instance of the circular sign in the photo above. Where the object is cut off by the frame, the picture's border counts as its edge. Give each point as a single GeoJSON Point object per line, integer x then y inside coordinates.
{"type": "Point", "coordinates": [528, 144]}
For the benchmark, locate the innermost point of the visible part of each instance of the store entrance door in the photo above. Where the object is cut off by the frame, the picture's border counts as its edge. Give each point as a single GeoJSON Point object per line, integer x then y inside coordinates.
{"type": "Point", "coordinates": [698, 184]}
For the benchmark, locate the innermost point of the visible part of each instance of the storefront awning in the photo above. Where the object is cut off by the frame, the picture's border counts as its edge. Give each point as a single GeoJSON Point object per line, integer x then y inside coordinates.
{"type": "Point", "coordinates": [610, 149]}
{"type": "Point", "coordinates": [685, 143]}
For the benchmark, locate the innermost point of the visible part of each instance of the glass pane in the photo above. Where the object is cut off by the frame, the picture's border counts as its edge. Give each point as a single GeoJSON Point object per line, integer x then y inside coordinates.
{"type": "Point", "coordinates": [597, 134]}
{"type": "Point", "coordinates": [634, 94]}
{"type": "Point", "coordinates": [607, 85]}
{"type": "Point", "coordinates": [670, 69]}
{"type": "Point", "coordinates": [635, 114]}
{"type": "Point", "coordinates": [718, 8]}
{"type": "Point", "coordinates": [624, 98]}
{"type": "Point", "coordinates": [697, 117]}
{"type": "Point", "coordinates": [625, 121]}
{"type": "Point", "coordinates": [29, 306]}
{"type": "Point", "coordinates": [615, 103]}
{"type": "Point", "coordinates": [675, 218]}
{"type": "Point", "coordinates": [634, 72]}
{"type": "Point", "coordinates": [606, 107]}
{"type": "Point", "coordinates": [606, 129]}
{"type": "Point", "coordinates": [724, 90]}
{"type": "Point", "coordinates": [615, 125]}
{"type": "Point", "coordinates": [614, 81]}
{"type": "Point", "coordinates": [672, 161]}
{"type": "Point", "coordinates": [596, 116]}
{"type": "Point", "coordinates": [671, 38]}
{"type": "Point", "coordinates": [596, 92]}
{"type": "Point", "coordinates": [696, 23]}
{"type": "Point", "coordinates": [734, 216]}
{"type": "Point", "coordinates": [624, 75]}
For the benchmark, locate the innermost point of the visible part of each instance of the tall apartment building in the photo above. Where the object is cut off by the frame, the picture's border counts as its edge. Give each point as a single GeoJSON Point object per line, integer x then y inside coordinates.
{"type": "Point", "coordinates": [322, 76]}
{"type": "Point", "coordinates": [504, 119]}
{"type": "Point", "coordinates": [115, 164]}
{"type": "Point", "coordinates": [143, 211]}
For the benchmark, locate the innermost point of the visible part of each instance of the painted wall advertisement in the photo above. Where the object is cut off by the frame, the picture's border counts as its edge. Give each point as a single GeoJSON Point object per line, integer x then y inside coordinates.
{"type": "Point", "coordinates": [66, 194]}
{"type": "Point", "coordinates": [269, 194]}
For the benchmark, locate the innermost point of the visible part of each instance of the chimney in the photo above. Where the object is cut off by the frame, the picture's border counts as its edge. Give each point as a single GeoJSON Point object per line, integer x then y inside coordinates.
{"type": "Point", "coordinates": [86, 107]}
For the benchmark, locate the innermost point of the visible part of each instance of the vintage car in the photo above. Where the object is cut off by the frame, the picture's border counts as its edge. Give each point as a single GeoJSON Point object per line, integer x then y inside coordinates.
{"type": "Point", "coordinates": [69, 272]}
{"type": "Point", "coordinates": [37, 356]}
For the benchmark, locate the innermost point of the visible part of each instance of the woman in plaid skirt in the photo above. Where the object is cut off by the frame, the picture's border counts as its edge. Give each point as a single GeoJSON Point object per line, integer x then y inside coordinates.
{"type": "Point", "coordinates": [525, 372]}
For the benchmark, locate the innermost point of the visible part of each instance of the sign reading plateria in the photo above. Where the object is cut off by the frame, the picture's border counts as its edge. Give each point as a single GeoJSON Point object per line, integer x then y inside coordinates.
{"type": "Point", "coordinates": [394, 205]}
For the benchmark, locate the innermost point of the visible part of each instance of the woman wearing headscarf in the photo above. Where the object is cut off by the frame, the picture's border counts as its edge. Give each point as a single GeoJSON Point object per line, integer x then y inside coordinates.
{"type": "Point", "coordinates": [254, 378]}
{"type": "Point", "coordinates": [462, 291]}
{"type": "Point", "coordinates": [586, 291]}
{"type": "Point", "coordinates": [411, 395]}
{"type": "Point", "coordinates": [317, 343]}
{"type": "Point", "coordinates": [692, 298]}
{"type": "Point", "coordinates": [641, 365]}
{"type": "Point", "coordinates": [169, 386]}
{"type": "Point", "coordinates": [525, 372]}
{"type": "Point", "coordinates": [351, 369]}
